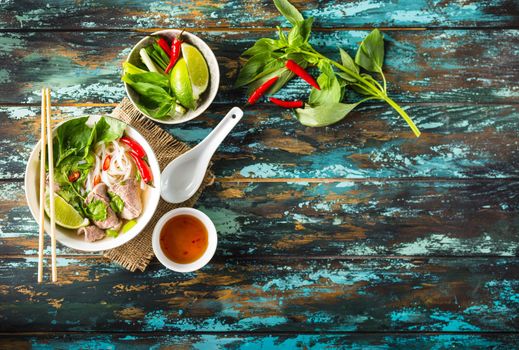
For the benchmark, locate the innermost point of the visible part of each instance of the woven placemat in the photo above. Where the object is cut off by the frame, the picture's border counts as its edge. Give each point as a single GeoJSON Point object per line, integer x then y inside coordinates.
{"type": "Point", "coordinates": [138, 253]}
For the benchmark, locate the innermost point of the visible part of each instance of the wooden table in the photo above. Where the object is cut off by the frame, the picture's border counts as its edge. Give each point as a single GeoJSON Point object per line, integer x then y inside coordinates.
{"type": "Point", "coordinates": [353, 235]}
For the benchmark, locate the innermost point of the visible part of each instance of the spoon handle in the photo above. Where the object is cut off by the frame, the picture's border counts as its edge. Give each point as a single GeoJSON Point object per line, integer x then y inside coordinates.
{"type": "Point", "coordinates": [215, 138]}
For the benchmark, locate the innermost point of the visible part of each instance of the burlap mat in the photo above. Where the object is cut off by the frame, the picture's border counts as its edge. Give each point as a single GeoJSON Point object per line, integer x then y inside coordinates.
{"type": "Point", "coordinates": [138, 253]}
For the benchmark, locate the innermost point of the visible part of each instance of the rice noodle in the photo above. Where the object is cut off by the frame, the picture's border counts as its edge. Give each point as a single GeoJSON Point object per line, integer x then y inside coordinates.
{"type": "Point", "coordinates": [121, 166]}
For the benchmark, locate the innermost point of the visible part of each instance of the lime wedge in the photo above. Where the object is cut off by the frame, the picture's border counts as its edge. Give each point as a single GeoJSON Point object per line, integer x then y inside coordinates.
{"type": "Point", "coordinates": [181, 85]}
{"type": "Point", "coordinates": [66, 215]}
{"type": "Point", "coordinates": [197, 68]}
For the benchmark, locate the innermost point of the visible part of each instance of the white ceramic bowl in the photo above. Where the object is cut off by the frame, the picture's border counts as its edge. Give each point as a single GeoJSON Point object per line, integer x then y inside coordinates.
{"type": "Point", "coordinates": [214, 73]}
{"type": "Point", "coordinates": [70, 238]}
{"type": "Point", "coordinates": [211, 245]}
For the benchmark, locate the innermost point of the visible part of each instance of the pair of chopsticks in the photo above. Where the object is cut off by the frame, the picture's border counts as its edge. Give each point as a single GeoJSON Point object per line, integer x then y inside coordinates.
{"type": "Point", "coordinates": [46, 138]}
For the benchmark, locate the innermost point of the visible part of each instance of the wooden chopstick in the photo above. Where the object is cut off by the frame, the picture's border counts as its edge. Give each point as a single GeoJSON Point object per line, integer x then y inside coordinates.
{"type": "Point", "coordinates": [42, 185]}
{"type": "Point", "coordinates": [46, 138]}
{"type": "Point", "coordinates": [51, 187]}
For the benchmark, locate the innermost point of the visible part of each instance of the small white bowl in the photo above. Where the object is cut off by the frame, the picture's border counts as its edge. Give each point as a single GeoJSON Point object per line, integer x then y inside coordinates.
{"type": "Point", "coordinates": [212, 240]}
{"type": "Point", "coordinates": [214, 73]}
{"type": "Point", "coordinates": [70, 238]}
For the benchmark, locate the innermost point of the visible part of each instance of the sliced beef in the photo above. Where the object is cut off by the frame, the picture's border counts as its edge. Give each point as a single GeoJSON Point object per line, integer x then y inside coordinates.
{"type": "Point", "coordinates": [111, 221]}
{"type": "Point", "coordinates": [130, 193]}
{"type": "Point", "coordinates": [92, 233]}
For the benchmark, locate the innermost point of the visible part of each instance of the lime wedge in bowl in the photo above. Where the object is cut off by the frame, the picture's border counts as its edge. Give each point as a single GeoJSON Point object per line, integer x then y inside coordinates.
{"type": "Point", "coordinates": [197, 68]}
{"type": "Point", "coordinates": [66, 215]}
{"type": "Point", "coordinates": [181, 84]}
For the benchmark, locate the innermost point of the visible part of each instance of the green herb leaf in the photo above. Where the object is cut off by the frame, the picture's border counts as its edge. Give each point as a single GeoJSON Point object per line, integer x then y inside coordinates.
{"type": "Point", "coordinates": [152, 78]}
{"type": "Point", "coordinates": [370, 54]}
{"type": "Point", "coordinates": [72, 138]}
{"type": "Point", "coordinates": [329, 94]}
{"type": "Point", "coordinates": [116, 203]}
{"type": "Point", "coordinates": [324, 115]}
{"type": "Point", "coordinates": [300, 33]}
{"type": "Point", "coordinates": [263, 45]}
{"type": "Point", "coordinates": [109, 129]}
{"type": "Point", "coordinates": [252, 68]}
{"type": "Point", "coordinates": [96, 210]}
{"type": "Point", "coordinates": [129, 68]}
{"type": "Point", "coordinates": [289, 11]}
{"type": "Point", "coordinates": [348, 62]}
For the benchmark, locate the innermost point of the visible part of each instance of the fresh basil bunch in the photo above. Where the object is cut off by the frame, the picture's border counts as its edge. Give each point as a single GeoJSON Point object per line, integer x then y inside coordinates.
{"type": "Point", "coordinates": [267, 58]}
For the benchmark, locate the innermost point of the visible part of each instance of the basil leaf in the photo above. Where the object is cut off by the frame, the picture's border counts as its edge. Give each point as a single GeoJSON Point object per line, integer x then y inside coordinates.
{"type": "Point", "coordinates": [324, 115]}
{"type": "Point", "coordinates": [252, 68]}
{"type": "Point", "coordinates": [152, 78]}
{"type": "Point", "coordinates": [283, 41]}
{"type": "Point", "coordinates": [109, 129]}
{"type": "Point", "coordinates": [289, 11]}
{"type": "Point", "coordinates": [300, 33]}
{"type": "Point", "coordinates": [96, 210]}
{"type": "Point", "coordinates": [159, 111]}
{"type": "Point", "coordinates": [72, 138]}
{"type": "Point", "coordinates": [348, 62]}
{"type": "Point", "coordinates": [116, 203]}
{"type": "Point", "coordinates": [330, 91]}
{"type": "Point", "coordinates": [370, 54]}
{"type": "Point", "coordinates": [263, 45]}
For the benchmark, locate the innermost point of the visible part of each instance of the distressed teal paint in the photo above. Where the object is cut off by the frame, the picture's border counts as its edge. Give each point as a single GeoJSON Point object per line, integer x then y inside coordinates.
{"type": "Point", "coordinates": [86, 66]}
{"type": "Point", "coordinates": [328, 14]}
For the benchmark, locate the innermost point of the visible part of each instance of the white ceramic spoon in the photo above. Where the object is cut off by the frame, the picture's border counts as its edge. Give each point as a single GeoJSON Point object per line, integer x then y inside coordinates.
{"type": "Point", "coordinates": [183, 176]}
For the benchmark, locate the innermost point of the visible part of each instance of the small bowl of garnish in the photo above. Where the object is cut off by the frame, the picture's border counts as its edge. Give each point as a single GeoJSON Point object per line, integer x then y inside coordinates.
{"type": "Point", "coordinates": [171, 76]}
{"type": "Point", "coordinates": [184, 239]}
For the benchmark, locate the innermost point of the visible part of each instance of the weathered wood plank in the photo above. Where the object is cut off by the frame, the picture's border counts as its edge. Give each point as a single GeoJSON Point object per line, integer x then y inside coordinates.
{"type": "Point", "coordinates": [333, 219]}
{"type": "Point", "coordinates": [458, 141]}
{"type": "Point", "coordinates": [425, 66]}
{"type": "Point", "coordinates": [139, 341]}
{"type": "Point", "coordinates": [258, 13]}
{"type": "Point", "coordinates": [363, 295]}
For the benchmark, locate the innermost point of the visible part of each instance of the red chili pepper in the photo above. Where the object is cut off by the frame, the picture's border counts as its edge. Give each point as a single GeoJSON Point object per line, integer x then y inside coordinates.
{"type": "Point", "coordinates": [261, 90]}
{"type": "Point", "coordinates": [287, 104]}
{"type": "Point", "coordinates": [74, 176]}
{"type": "Point", "coordinates": [301, 72]}
{"type": "Point", "coordinates": [134, 146]}
{"type": "Point", "coordinates": [165, 46]}
{"type": "Point", "coordinates": [144, 169]}
{"type": "Point", "coordinates": [106, 163]}
{"type": "Point", "coordinates": [97, 180]}
{"type": "Point", "coordinates": [175, 52]}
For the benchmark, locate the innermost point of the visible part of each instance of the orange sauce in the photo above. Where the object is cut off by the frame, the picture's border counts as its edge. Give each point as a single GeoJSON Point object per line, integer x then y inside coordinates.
{"type": "Point", "coordinates": [183, 239]}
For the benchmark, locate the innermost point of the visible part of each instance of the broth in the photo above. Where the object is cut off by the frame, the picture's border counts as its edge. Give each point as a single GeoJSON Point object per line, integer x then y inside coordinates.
{"type": "Point", "coordinates": [184, 239]}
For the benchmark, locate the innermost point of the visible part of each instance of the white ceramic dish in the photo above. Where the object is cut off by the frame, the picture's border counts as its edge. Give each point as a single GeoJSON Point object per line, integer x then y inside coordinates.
{"type": "Point", "coordinates": [69, 237]}
{"type": "Point", "coordinates": [214, 73]}
{"type": "Point", "coordinates": [204, 259]}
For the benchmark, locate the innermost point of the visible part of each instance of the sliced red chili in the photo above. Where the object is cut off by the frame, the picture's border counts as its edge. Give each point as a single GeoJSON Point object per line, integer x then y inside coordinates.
{"type": "Point", "coordinates": [97, 180]}
{"type": "Point", "coordinates": [287, 104]}
{"type": "Point", "coordinates": [165, 46]}
{"type": "Point", "coordinates": [74, 176]}
{"type": "Point", "coordinates": [134, 146]}
{"type": "Point", "coordinates": [143, 168]}
{"type": "Point", "coordinates": [302, 73]}
{"type": "Point", "coordinates": [255, 96]}
{"type": "Point", "coordinates": [106, 163]}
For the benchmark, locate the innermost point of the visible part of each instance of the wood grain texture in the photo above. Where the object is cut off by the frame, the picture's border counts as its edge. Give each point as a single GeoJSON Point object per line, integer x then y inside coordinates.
{"type": "Point", "coordinates": [237, 341]}
{"type": "Point", "coordinates": [332, 219]}
{"type": "Point", "coordinates": [425, 66]}
{"type": "Point", "coordinates": [458, 141]}
{"type": "Point", "coordinates": [359, 295]}
{"type": "Point", "coordinates": [17, 14]}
